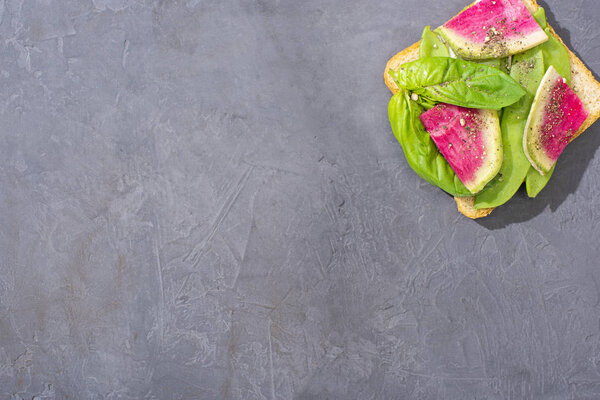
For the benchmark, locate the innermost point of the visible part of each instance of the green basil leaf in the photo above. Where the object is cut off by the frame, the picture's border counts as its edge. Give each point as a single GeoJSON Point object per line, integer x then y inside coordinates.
{"type": "Point", "coordinates": [504, 67]}
{"type": "Point", "coordinates": [535, 181]}
{"type": "Point", "coordinates": [540, 17]}
{"type": "Point", "coordinates": [459, 82]}
{"type": "Point", "coordinates": [420, 151]}
{"type": "Point", "coordinates": [431, 45]}
{"type": "Point", "coordinates": [528, 70]}
{"type": "Point", "coordinates": [492, 62]}
{"type": "Point", "coordinates": [426, 103]}
{"type": "Point", "coordinates": [557, 55]}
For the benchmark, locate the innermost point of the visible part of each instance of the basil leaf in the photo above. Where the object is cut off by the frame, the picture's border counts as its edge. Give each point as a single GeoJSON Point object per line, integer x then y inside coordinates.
{"type": "Point", "coordinates": [459, 82]}
{"type": "Point", "coordinates": [555, 54]}
{"type": "Point", "coordinates": [431, 45]}
{"type": "Point", "coordinates": [528, 70]}
{"type": "Point", "coordinates": [426, 103]}
{"type": "Point", "coordinates": [535, 181]}
{"type": "Point", "coordinates": [540, 17]}
{"type": "Point", "coordinates": [420, 151]}
{"type": "Point", "coordinates": [498, 63]}
{"type": "Point", "coordinates": [492, 62]}
{"type": "Point", "coordinates": [504, 67]}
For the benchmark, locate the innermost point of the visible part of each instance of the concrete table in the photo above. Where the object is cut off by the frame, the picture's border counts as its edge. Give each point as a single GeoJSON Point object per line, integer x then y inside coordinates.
{"type": "Point", "coordinates": [203, 199]}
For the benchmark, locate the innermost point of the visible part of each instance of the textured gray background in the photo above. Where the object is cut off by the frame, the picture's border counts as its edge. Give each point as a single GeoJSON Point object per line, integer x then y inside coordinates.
{"type": "Point", "coordinates": [204, 200]}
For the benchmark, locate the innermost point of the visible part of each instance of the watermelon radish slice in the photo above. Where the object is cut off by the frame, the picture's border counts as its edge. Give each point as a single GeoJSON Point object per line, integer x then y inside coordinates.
{"type": "Point", "coordinates": [492, 29]}
{"type": "Point", "coordinates": [556, 115]}
{"type": "Point", "coordinates": [469, 139]}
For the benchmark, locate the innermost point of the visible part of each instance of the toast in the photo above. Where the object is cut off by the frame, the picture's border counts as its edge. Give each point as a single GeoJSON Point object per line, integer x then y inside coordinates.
{"type": "Point", "coordinates": [582, 81]}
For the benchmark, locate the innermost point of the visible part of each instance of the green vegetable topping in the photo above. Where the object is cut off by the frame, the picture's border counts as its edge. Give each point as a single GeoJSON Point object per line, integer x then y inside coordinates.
{"type": "Point", "coordinates": [535, 181]}
{"type": "Point", "coordinates": [459, 82]}
{"type": "Point", "coordinates": [431, 45]}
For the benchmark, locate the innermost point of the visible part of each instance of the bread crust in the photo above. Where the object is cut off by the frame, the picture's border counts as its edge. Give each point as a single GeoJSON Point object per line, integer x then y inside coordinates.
{"type": "Point", "coordinates": [582, 81]}
{"type": "Point", "coordinates": [407, 55]}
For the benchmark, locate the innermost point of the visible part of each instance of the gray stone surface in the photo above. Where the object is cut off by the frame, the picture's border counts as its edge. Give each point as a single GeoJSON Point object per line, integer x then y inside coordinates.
{"type": "Point", "coordinates": [203, 200]}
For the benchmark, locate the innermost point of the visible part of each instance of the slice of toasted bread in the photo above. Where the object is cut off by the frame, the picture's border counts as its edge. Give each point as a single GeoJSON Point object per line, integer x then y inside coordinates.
{"type": "Point", "coordinates": [582, 81]}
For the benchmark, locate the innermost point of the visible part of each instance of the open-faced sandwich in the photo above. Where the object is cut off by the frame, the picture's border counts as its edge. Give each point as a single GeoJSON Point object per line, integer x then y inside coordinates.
{"type": "Point", "coordinates": [489, 101]}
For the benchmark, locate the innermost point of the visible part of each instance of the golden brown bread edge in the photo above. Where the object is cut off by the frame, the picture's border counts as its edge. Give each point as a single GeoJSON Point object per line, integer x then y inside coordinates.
{"type": "Point", "coordinates": [582, 81]}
